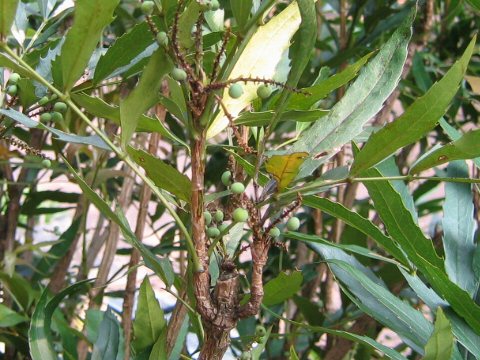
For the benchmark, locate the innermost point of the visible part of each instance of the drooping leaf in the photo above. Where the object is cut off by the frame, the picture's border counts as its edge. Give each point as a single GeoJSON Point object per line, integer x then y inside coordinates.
{"type": "Point", "coordinates": [467, 147]}
{"type": "Point", "coordinates": [417, 120]}
{"type": "Point", "coordinates": [40, 334]}
{"type": "Point", "coordinates": [8, 317]}
{"type": "Point", "coordinates": [8, 8]}
{"type": "Point", "coordinates": [259, 59]}
{"type": "Point", "coordinates": [284, 168]}
{"type": "Point", "coordinates": [161, 266]}
{"type": "Point", "coordinates": [363, 99]}
{"type": "Point", "coordinates": [459, 229]}
{"type": "Point", "coordinates": [164, 176]}
{"type": "Point", "coordinates": [323, 88]}
{"type": "Point", "coordinates": [144, 96]}
{"type": "Point", "coordinates": [282, 288]}
{"type": "Point", "coordinates": [107, 345]}
{"type": "Point", "coordinates": [91, 16]}
{"type": "Point", "coordinates": [93, 140]}
{"type": "Point", "coordinates": [149, 321]}
{"type": "Point", "coordinates": [440, 344]}
{"type": "Point", "coordinates": [402, 227]}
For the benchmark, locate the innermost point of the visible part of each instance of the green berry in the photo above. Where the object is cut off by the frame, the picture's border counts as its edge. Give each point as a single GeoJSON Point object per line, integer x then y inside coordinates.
{"type": "Point", "coordinates": [60, 107]}
{"type": "Point", "coordinates": [222, 227]}
{"type": "Point", "coordinates": [12, 90]}
{"type": "Point", "coordinates": [54, 97]}
{"type": "Point", "coordinates": [264, 91]}
{"type": "Point", "coordinates": [237, 188]}
{"type": "Point", "coordinates": [46, 117]}
{"type": "Point", "coordinates": [56, 116]}
{"type": "Point", "coordinates": [162, 38]}
{"type": "Point", "coordinates": [179, 74]}
{"type": "Point", "coordinates": [293, 223]}
{"type": "Point", "coordinates": [226, 178]}
{"type": "Point", "coordinates": [218, 216]}
{"type": "Point", "coordinates": [208, 217]}
{"type": "Point", "coordinates": [214, 5]}
{"type": "Point", "coordinates": [13, 79]}
{"type": "Point", "coordinates": [260, 331]}
{"type": "Point", "coordinates": [240, 215]}
{"type": "Point", "coordinates": [44, 100]}
{"type": "Point", "coordinates": [46, 163]}
{"type": "Point", "coordinates": [147, 7]}
{"type": "Point", "coordinates": [235, 91]}
{"type": "Point", "coordinates": [213, 232]}
{"type": "Point", "coordinates": [274, 232]}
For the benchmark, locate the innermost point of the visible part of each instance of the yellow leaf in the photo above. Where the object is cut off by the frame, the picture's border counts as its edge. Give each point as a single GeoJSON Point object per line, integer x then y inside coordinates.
{"type": "Point", "coordinates": [259, 59]}
{"type": "Point", "coordinates": [474, 82]}
{"type": "Point", "coordinates": [284, 168]}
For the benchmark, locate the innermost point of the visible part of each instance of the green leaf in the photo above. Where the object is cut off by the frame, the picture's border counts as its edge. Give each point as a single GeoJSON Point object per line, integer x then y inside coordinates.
{"type": "Point", "coordinates": [145, 94]}
{"type": "Point", "coordinates": [8, 8]}
{"type": "Point", "coordinates": [186, 23]}
{"type": "Point", "coordinates": [40, 333]}
{"type": "Point", "coordinates": [116, 57]}
{"type": "Point", "coordinates": [323, 88]}
{"type": "Point", "coordinates": [93, 140]}
{"type": "Point", "coordinates": [440, 345]}
{"type": "Point", "coordinates": [284, 168]}
{"type": "Point", "coordinates": [98, 107]}
{"type": "Point", "coordinates": [264, 117]}
{"type": "Point", "coordinates": [159, 350]}
{"type": "Point", "coordinates": [475, 4]}
{"type": "Point", "coordinates": [282, 288]}
{"type": "Point", "coordinates": [46, 7]}
{"type": "Point", "coordinates": [467, 147]}
{"type": "Point", "coordinates": [161, 266]}
{"type": "Point", "coordinates": [260, 58]}
{"type": "Point", "coordinates": [402, 227]}
{"type": "Point", "coordinates": [417, 120]}
{"type": "Point", "coordinates": [164, 176]}
{"type": "Point", "coordinates": [293, 354]}
{"type": "Point", "coordinates": [107, 345]}
{"type": "Point", "coordinates": [149, 321]}
{"type": "Point", "coordinates": [241, 11]}
{"type": "Point", "coordinates": [358, 222]}
{"type": "Point", "coordinates": [91, 16]}
{"type": "Point", "coordinates": [459, 229]}
{"type": "Point", "coordinates": [9, 317]}
{"type": "Point", "coordinates": [363, 99]}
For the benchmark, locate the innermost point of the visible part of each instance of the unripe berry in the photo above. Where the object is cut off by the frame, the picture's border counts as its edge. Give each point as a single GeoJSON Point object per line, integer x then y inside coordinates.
{"type": "Point", "coordinates": [213, 232]}
{"type": "Point", "coordinates": [60, 107]}
{"type": "Point", "coordinates": [147, 7]}
{"type": "Point", "coordinates": [240, 215]}
{"type": "Point", "coordinates": [293, 224]}
{"type": "Point", "coordinates": [179, 74]}
{"type": "Point", "coordinates": [222, 227]}
{"type": "Point", "coordinates": [218, 216]}
{"type": "Point", "coordinates": [162, 38]}
{"type": "Point", "coordinates": [260, 331]}
{"type": "Point", "coordinates": [226, 178]}
{"type": "Point", "coordinates": [264, 91]}
{"type": "Point", "coordinates": [43, 100]}
{"type": "Point", "coordinates": [45, 117]}
{"type": "Point", "coordinates": [214, 5]}
{"type": "Point", "coordinates": [12, 90]}
{"type": "Point", "coordinates": [56, 116]}
{"type": "Point", "coordinates": [46, 163]}
{"type": "Point", "coordinates": [208, 217]}
{"type": "Point", "coordinates": [13, 79]}
{"type": "Point", "coordinates": [237, 188]}
{"type": "Point", "coordinates": [235, 91]}
{"type": "Point", "coordinates": [274, 232]}
{"type": "Point", "coordinates": [54, 97]}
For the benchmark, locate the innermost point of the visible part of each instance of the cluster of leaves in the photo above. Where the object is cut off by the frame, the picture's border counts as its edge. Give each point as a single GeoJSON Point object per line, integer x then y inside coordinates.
{"type": "Point", "coordinates": [114, 119]}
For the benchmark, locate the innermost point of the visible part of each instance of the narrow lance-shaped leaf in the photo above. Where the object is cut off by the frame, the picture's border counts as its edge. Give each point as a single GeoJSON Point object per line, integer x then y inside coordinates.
{"type": "Point", "coordinates": [459, 229]}
{"type": "Point", "coordinates": [284, 168]}
{"type": "Point", "coordinates": [144, 96]}
{"type": "Point", "coordinates": [283, 287]}
{"type": "Point", "coordinates": [241, 11]}
{"type": "Point", "coordinates": [417, 120]}
{"type": "Point", "coordinates": [8, 9]}
{"type": "Point", "coordinates": [91, 16]}
{"type": "Point", "coordinates": [108, 344]}
{"type": "Point", "coordinates": [440, 344]}
{"type": "Point", "coordinates": [259, 59]}
{"type": "Point", "coordinates": [363, 99]}
{"type": "Point", "coordinates": [467, 147]}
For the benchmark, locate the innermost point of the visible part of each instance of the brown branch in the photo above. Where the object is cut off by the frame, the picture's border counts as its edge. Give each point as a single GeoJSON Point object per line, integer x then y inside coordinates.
{"type": "Point", "coordinates": [218, 57]}
{"type": "Point", "coordinates": [223, 84]}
